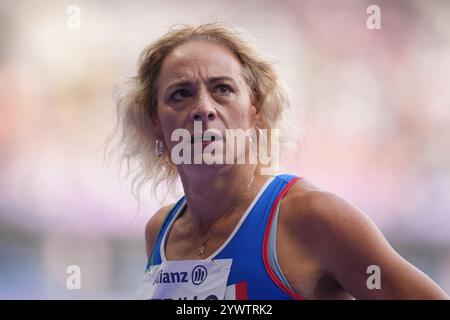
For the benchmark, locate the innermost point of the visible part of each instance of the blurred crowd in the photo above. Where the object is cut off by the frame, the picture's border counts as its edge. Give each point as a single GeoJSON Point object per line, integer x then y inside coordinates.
{"type": "Point", "coordinates": [373, 105]}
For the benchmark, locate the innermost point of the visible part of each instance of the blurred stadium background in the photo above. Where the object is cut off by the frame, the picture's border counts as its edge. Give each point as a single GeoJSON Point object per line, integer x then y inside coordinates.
{"type": "Point", "coordinates": [374, 106]}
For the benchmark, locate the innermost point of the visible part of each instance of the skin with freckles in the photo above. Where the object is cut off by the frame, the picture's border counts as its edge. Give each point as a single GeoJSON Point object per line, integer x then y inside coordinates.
{"type": "Point", "coordinates": [324, 244]}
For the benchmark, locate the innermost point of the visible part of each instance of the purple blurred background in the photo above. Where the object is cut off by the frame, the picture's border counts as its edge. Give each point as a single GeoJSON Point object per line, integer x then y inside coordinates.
{"type": "Point", "coordinates": [373, 105]}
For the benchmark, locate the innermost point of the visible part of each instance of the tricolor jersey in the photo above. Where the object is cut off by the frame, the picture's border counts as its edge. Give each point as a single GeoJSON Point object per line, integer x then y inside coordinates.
{"type": "Point", "coordinates": [255, 273]}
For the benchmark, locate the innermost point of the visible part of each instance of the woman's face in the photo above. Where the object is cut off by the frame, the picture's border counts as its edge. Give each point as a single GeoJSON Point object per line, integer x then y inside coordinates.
{"type": "Point", "coordinates": [202, 81]}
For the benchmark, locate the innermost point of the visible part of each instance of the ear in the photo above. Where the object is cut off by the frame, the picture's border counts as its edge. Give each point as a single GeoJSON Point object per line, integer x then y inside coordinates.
{"type": "Point", "coordinates": [255, 112]}
{"type": "Point", "coordinates": [157, 129]}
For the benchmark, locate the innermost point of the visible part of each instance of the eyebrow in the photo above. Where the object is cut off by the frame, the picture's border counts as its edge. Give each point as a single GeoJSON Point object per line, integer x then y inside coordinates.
{"type": "Point", "coordinates": [185, 83]}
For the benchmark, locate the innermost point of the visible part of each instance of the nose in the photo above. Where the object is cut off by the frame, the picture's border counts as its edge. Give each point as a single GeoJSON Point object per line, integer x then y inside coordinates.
{"type": "Point", "coordinates": [204, 109]}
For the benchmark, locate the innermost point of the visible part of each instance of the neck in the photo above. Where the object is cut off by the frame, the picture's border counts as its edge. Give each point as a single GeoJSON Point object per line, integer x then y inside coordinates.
{"type": "Point", "coordinates": [212, 193]}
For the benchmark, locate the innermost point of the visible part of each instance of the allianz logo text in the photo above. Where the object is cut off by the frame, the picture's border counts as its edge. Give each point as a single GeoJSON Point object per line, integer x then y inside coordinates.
{"type": "Point", "coordinates": [198, 276]}
{"type": "Point", "coordinates": [170, 277]}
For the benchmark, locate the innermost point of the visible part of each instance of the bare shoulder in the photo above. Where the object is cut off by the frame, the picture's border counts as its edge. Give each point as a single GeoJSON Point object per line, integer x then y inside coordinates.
{"type": "Point", "coordinates": [304, 205]}
{"type": "Point", "coordinates": [314, 209]}
{"type": "Point", "coordinates": [345, 242]}
{"type": "Point", "coordinates": [328, 224]}
{"type": "Point", "coordinates": [324, 220]}
{"type": "Point", "coordinates": [154, 225]}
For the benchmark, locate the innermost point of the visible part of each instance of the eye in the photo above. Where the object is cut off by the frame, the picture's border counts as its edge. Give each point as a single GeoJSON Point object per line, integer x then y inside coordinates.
{"type": "Point", "coordinates": [223, 89]}
{"type": "Point", "coordinates": [180, 95]}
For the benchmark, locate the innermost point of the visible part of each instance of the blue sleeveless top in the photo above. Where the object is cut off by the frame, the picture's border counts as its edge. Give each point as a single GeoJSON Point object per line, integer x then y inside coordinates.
{"type": "Point", "coordinates": [255, 273]}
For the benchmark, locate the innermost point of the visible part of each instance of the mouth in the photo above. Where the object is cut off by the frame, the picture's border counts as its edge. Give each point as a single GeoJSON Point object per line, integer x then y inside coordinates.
{"type": "Point", "coordinates": [204, 139]}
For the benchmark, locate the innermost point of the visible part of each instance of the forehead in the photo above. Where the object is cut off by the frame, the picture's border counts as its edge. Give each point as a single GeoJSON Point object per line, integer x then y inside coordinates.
{"type": "Point", "coordinates": [199, 58]}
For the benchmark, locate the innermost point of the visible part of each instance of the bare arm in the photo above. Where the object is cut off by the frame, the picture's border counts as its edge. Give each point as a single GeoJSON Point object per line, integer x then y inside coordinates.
{"type": "Point", "coordinates": [347, 243]}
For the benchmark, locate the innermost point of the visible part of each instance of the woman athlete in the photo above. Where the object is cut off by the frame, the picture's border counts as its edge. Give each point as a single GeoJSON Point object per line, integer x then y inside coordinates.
{"type": "Point", "coordinates": [239, 233]}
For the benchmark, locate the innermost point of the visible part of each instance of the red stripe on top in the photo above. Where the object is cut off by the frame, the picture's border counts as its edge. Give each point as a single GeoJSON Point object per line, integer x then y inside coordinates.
{"type": "Point", "coordinates": [241, 291]}
{"type": "Point", "coordinates": [269, 270]}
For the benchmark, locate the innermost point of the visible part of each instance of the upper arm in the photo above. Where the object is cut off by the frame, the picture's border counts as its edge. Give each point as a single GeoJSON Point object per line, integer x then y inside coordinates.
{"type": "Point", "coordinates": [153, 226]}
{"type": "Point", "coordinates": [347, 242]}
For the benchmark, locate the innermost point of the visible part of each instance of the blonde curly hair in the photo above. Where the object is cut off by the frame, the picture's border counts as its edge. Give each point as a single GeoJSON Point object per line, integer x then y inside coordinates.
{"type": "Point", "coordinates": [136, 100]}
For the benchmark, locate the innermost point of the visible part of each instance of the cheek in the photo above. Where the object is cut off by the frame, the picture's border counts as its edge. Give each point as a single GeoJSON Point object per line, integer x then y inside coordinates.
{"type": "Point", "coordinates": [247, 112]}
{"type": "Point", "coordinates": [166, 122]}
{"type": "Point", "coordinates": [247, 109]}
{"type": "Point", "coordinates": [170, 124]}
{"type": "Point", "coordinates": [171, 121]}
{"type": "Point", "coordinates": [240, 116]}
